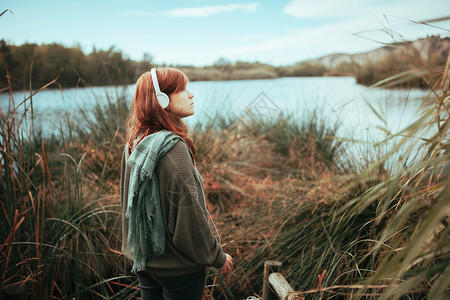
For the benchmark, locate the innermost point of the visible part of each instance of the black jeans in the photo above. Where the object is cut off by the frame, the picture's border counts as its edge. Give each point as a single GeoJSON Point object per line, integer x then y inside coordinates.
{"type": "Point", "coordinates": [183, 287]}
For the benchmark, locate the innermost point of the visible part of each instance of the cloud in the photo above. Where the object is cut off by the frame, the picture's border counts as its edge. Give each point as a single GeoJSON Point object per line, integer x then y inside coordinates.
{"type": "Point", "coordinates": [322, 9]}
{"type": "Point", "coordinates": [351, 35]}
{"type": "Point", "coordinates": [409, 9]}
{"type": "Point", "coordinates": [351, 26]}
{"type": "Point", "coordinates": [206, 11]}
{"type": "Point", "coordinates": [309, 38]}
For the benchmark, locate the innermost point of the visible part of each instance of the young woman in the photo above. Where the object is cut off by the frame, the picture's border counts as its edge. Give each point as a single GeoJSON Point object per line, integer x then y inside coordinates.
{"type": "Point", "coordinates": [165, 228]}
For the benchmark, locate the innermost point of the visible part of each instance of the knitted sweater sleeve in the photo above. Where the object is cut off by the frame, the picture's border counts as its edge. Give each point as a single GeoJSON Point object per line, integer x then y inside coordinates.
{"type": "Point", "coordinates": [185, 207]}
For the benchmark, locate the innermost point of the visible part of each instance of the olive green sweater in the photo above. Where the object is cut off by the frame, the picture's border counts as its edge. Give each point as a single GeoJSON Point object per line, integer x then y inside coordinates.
{"type": "Point", "coordinates": [190, 244]}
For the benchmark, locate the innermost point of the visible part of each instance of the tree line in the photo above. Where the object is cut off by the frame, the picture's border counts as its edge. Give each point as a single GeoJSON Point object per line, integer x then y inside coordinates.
{"type": "Point", "coordinates": [40, 64]}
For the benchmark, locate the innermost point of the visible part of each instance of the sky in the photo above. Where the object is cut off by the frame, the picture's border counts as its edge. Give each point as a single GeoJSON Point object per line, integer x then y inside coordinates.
{"type": "Point", "coordinates": [199, 32]}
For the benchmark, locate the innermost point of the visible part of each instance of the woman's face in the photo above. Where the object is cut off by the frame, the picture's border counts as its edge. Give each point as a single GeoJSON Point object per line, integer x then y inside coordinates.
{"type": "Point", "coordinates": [181, 104]}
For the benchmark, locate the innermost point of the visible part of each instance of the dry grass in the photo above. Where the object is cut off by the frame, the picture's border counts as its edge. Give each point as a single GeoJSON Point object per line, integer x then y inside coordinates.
{"type": "Point", "coordinates": [278, 190]}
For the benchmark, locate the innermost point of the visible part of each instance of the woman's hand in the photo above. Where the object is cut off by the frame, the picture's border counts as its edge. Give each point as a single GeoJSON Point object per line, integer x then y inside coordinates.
{"type": "Point", "coordinates": [228, 264]}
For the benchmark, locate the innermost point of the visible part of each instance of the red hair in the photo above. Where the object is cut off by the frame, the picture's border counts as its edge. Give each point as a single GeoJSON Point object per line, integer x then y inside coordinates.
{"type": "Point", "coordinates": [147, 116]}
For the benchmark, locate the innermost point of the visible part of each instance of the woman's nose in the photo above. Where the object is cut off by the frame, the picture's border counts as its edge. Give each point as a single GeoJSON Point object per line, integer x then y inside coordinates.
{"type": "Point", "coordinates": [191, 95]}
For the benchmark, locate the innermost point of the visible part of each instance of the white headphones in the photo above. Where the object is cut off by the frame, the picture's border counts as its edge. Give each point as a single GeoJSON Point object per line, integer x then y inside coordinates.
{"type": "Point", "coordinates": [163, 99]}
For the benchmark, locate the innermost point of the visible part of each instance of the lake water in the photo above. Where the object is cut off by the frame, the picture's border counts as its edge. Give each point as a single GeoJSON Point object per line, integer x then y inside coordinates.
{"type": "Point", "coordinates": [338, 99]}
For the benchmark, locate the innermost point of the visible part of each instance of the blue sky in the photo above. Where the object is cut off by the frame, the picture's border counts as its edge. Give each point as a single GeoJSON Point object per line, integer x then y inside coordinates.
{"type": "Point", "coordinates": [198, 32]}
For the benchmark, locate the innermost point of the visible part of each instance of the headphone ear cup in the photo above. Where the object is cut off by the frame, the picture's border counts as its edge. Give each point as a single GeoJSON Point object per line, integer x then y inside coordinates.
{"type": "Point", "coordinates": [163, 99]}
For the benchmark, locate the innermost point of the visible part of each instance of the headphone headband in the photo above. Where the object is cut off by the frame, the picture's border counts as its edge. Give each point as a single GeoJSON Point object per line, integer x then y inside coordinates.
{"type": "Point", "coordinates": [163, 99]}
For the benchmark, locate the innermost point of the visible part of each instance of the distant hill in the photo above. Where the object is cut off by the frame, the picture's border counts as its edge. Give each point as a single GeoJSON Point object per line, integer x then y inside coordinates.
{"type": "Point", "coordinates": [424, 48]}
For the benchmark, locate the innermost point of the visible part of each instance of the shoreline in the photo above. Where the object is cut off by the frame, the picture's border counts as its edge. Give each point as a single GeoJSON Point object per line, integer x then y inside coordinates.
{"type": "Point", "coordinates": [53, 87]}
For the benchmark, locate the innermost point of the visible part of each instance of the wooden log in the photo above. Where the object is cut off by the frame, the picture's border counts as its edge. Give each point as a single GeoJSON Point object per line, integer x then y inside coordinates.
{"type": "Point", "coordinates": [282, 288]}
{"type": "Point", "coordinates": [270, 266]}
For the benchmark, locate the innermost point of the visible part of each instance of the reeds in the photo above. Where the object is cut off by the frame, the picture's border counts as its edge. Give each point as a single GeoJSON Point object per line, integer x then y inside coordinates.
{"type": "Point", "coordinates": [279, 189]}
{"type": "Point", "coordinates": [381, 233]}
{"type": "Point", "coordinates": [413, 204]}
{"type": "Point", "coordinates": [60, 231]}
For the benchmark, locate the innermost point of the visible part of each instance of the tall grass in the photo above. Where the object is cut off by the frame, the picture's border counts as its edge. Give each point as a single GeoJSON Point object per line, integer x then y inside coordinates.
{"type": "Point", "coordinates": [413, 204]}
{"type": "Point", "coordinates": [382, 233]}
{"type": "Point", "coordinates": [67, 195]}
{"type": "Point", "coordinates": [278, 189]}
{"type": "Point", "coordinates": [59, 236]}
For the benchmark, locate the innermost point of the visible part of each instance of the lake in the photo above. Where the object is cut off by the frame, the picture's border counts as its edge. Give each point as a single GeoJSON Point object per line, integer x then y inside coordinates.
{"type": "Point", "coordinates": [338, 99]}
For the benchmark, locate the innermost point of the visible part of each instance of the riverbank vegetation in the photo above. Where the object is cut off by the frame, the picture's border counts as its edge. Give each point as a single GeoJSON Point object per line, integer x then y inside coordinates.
{"type": "Point", "coordinates": [32, 66]}
{"type": "Point", "coordinates": [282, 189]}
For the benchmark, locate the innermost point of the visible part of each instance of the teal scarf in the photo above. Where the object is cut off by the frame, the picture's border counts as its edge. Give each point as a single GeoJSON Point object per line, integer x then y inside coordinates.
{"type": "Point", "coordinates": [146, 235]}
